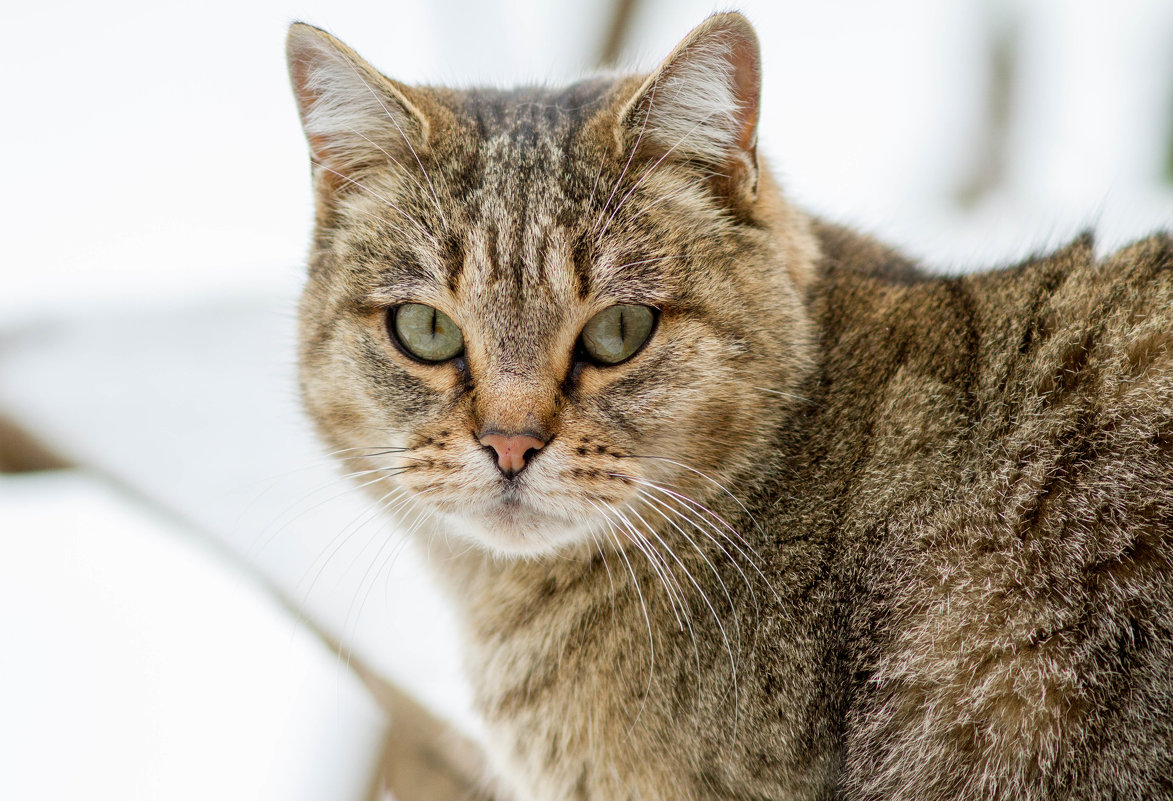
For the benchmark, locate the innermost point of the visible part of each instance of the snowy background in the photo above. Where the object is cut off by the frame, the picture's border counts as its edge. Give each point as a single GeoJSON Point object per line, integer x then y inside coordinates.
{"type": "Point", "coordinates": [158, 597]}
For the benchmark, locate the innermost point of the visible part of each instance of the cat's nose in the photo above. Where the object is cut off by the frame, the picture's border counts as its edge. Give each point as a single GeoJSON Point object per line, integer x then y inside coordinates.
{"type": "Point", "coordinates": [513, 450]}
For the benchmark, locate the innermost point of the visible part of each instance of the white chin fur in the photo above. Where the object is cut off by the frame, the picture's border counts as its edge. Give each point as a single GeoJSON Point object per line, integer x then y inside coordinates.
{"type": "Point", "coordinates": [516, 532]}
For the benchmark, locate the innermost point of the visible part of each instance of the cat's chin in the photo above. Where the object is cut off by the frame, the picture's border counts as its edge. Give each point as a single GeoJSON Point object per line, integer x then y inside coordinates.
{"type": "Point", "coordinates": [516, 530]}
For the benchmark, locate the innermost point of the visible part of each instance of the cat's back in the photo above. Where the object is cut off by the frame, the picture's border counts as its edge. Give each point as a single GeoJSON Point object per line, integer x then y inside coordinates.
{"type": "Point", "coordinates": [1018, 436]}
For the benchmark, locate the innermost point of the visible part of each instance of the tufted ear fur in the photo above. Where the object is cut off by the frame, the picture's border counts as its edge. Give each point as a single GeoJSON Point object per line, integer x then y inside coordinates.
{"type": "Point", "coordinates": [353, 117]}
{"type": "Point", "coordinates": [701, 105]}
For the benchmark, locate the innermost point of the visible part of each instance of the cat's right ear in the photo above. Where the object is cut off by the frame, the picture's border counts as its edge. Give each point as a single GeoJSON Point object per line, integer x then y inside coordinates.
{"type": "Point", "coordinates": [701, 106]}
{"type": "Point", "coordinates": [354, 118]}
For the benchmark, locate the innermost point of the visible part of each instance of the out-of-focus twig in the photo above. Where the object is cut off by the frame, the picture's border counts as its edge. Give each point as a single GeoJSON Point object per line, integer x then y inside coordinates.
{"type": "Point", "coordinates": [988, 169]}
{"type": "Point", "coordinates": [20, 452]}
{"type": "Point", "coordinates": [618, 32]}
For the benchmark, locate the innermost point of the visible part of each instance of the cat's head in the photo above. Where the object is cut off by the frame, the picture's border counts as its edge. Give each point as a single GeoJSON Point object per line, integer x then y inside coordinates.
{"type": "Point", "coordinates": [544, 313]}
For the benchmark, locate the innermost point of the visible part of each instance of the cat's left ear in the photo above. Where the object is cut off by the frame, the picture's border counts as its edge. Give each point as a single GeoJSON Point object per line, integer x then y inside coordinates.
{"type": "Point", "coordinates": [354, 118]}
{"type": "Point", "coordinates": [702, 104]}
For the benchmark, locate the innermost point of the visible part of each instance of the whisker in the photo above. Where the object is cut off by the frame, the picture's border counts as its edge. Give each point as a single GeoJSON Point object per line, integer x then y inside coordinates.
{"type": "Point", "coordinates": [643, 606]}
{"type": "Point", "coordinates": [404, 171]}
{"type": "Point", "coordinates": [280, 525]}
{"type": "Point", "coordinates": [662, 508]}
{"type": "Point", "coordinates": [382, 448]}
{"type": "Point", "coordinates": [685, 606]}
{"type": "Point", "coordinates": [701, 508]}
{"type": "Point", "coordinates": [659, 566]}
{"type": "Point", "coordinates": [788, 395]}
{"type": "Point", "coordinates": [712, 610]}
{"type": "Point", "coordinates": [732, 607]}
{"type": "Point", "coordinates": [706, 477]}
{"type": "Point", "coordinates": [339, 541]}
{"type": "Point", "coordinates": [607, 567]}
{"type": "Point", "coordinates": [639, 138]}
{"type": "Point", "coordinates": [683, 190]}
{"type": "Point", "coordinates": [394, 551]}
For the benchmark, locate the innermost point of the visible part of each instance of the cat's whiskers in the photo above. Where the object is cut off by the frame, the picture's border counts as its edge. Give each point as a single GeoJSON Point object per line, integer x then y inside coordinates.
{"type": "Point", "coordinates": [598, 177]}
{"type": "Point", "coordinates": [388, 472]}
{"type": "Point", "coordinates": [807, 401]}
{"type": "Point", "coordinates": [664, 509]}
{"type": "Point", "coordinates": [625, 529]}
{"type": "Point", "coordinates": [290, 516]}
{"type": "Point", "coordinates": [686, 607]}
{"type": "Point", "coordinates": [683, 190]}
{"type": "Point", "coordinates": [384, 563]}
{"type": "Point", "coordinates": [711, 519]}
{"type": "Point", "coordinates": [341, 539]}
{"type": "Point", "coordinates": [679, 496]}
{"type": "Point", "coordinates": [643, 606]}
{"type": "Point", "coordinates": [376, 564]}
{"type": "Point", "coordinates": [403, 170]}
{"type": "Point", "coordinates": [268, 483]}
{"type": "Point", "coordinates": [705, 598]}
{"type": "Point", "coordinates": [658, 564]}
{"type": "Point", "coordinates": [708, 478]}
{"type": "Point", "coordinates": [594, 535]}
{"type": "Point", "coordinates": [383, 448]}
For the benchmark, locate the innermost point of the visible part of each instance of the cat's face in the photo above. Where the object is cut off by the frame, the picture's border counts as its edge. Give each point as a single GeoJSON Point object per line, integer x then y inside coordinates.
{"type": "Point", "coordinates": [545, 315]}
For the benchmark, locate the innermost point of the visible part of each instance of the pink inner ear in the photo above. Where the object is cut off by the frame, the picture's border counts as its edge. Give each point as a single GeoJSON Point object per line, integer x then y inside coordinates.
{"type": "Point", "coordinates": [301, 50]}
{"type": "Point", "coordinates": [747, 87]}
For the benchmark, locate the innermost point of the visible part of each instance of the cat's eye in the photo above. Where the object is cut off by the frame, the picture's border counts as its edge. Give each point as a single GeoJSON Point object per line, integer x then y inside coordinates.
{"type": "Point", "coordinates": [615, 334]}
{"type": "Point", "coordinates": [426, 333]}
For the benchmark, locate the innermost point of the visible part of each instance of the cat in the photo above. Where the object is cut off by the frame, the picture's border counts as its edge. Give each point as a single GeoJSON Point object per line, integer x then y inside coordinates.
{"type": "Point", "coordinates": [733, 502]}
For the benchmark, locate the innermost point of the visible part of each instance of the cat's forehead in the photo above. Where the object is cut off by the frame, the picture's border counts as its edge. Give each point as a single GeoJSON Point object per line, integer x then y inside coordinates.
{"type": "Point", "coordinates": [520, 118]}
{"type": "Point", "coordinates": [524, 212]}
{"type": "Point", "coordinates": [525, 148]}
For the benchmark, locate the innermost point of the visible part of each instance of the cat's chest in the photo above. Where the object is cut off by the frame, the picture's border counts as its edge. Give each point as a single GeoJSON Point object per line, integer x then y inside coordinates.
{"type": "Point", "coordinates": [568, 692]}
{"type": "Point", "coordinates": [590, 689]}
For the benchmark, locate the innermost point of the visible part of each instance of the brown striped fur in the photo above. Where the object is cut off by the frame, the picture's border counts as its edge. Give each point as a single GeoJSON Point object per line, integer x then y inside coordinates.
{"type": "Point", "coordinates": [914, 541]}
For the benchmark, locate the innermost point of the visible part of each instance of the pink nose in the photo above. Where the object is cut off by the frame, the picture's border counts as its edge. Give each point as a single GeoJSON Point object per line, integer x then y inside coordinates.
{"type": "Point", "coordinates": [511, 450]}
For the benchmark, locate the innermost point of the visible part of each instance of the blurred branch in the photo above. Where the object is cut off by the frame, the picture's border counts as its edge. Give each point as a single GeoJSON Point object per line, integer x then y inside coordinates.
{"type": "Point", "coordinates": [989, 165]}
{"type": "Point", "coordinates": [618, 32]}
{"type": "Point", "coordinates": [1167, 175]}
{"type": "Point", "coordinates": [20, 452]}
{"type": "Point", "coordinates": [424, 758]}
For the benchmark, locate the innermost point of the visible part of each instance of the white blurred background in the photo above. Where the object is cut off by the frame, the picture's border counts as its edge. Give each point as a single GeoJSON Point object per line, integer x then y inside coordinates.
{"type": "Point", "coordinates": [162, 587]}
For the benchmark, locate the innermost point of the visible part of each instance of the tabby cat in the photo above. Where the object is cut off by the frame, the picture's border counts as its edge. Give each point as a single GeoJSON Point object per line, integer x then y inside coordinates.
{"type": "Point", "coordinates": [734, 503]}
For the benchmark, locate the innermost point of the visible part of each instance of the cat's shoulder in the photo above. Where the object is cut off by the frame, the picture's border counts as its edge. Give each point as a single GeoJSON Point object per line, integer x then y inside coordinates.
{"type": "Point", "coordinates": [1074, 275]}
{"type": "Point", "coordinates": [1076, 321]}
{"type": "Point", "coordinates": [844, 249]}
{"type": "Point", "coordinates": [1041, 573]}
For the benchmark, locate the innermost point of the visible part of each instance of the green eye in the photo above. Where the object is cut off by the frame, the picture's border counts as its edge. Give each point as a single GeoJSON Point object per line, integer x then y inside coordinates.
{"type": "Point", "coordinates": [615, 334]}
{"type": "Point", "coordinates": [426, 333]}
